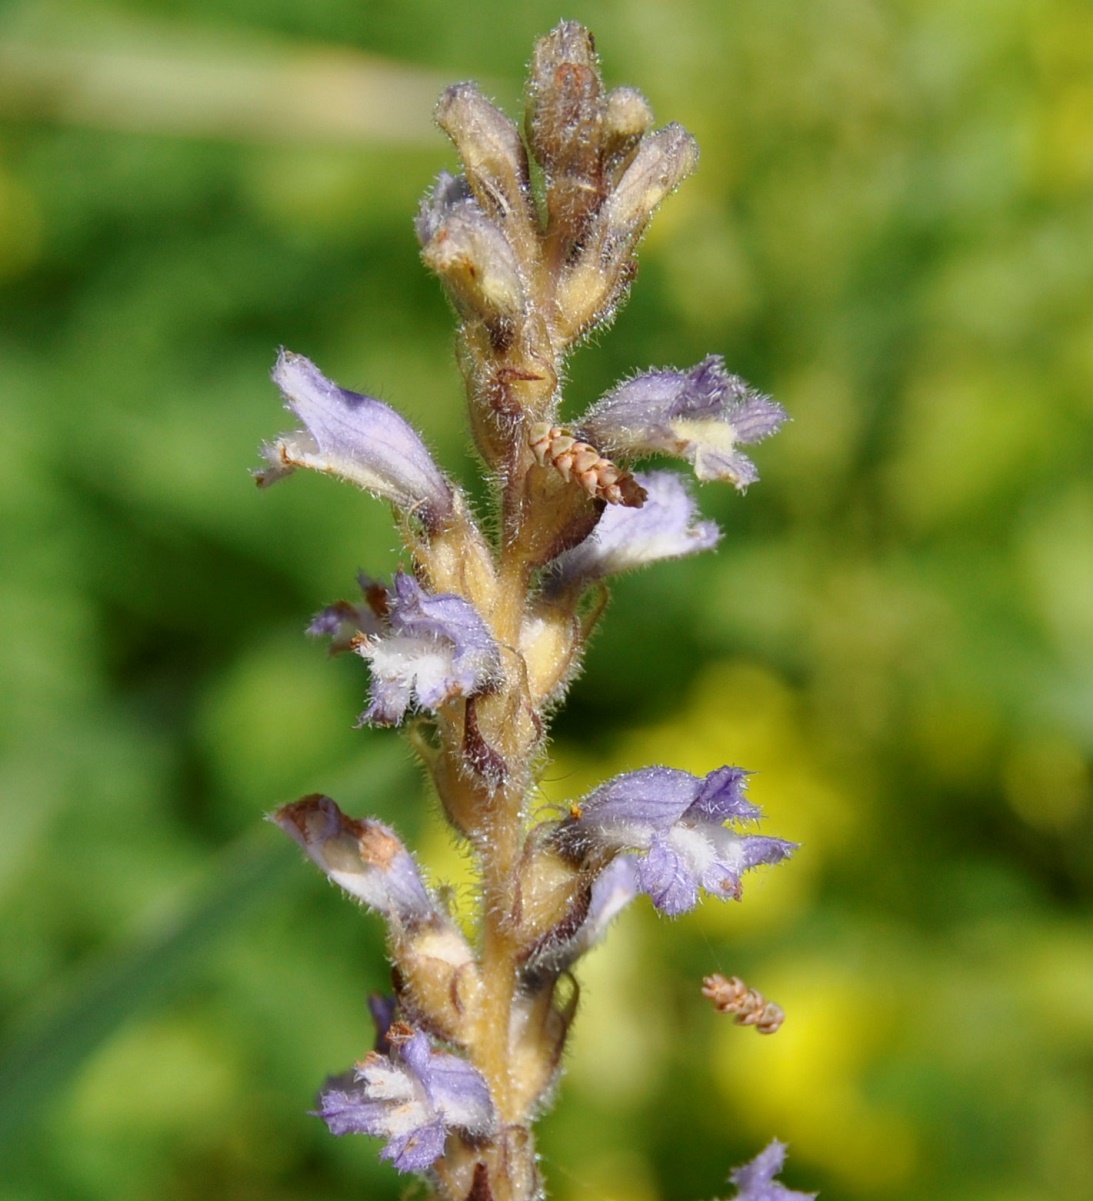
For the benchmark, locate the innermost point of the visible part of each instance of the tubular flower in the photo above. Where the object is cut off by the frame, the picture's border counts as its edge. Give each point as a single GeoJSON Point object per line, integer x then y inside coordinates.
{"type": "Point", "coordinates": [700, 415]}
{"type": "Point", "coordinates": [366, 858]}
{"type": "Point", "coordinates": [360, 439]}
{"type": "Point", "coordinates": [411, 1097]}
{"type": "Point", "coordinates": [678, 820]}
{"type": "Point", "coordinates": [627, 538]}
{"type": "Point", "coordinates": [436, 648]}
{"type": "Point", "coordinates": [755, 1180]}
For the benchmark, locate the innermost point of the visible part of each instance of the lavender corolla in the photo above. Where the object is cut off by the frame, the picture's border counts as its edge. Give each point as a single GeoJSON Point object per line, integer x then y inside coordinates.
{"type": "Point", "coordinates": [479, 636]}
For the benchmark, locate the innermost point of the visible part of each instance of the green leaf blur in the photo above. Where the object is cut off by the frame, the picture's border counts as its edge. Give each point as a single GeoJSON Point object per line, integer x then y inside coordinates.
{"type": "Point", "coordinates": [890, 232]}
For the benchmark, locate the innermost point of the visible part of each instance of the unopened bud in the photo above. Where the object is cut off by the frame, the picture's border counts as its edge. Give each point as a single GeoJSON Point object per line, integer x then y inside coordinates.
{"type": "Point", "coordinates": [449, 193]}
{"type": "Point", "coordinates": [661, 164]}
{"type": "Point", "coordinates": [477, 264]}
{"type": "Point", "coordinates": [491, 148]}
{"type": "Point", "coordinates": [565, 113]}
{"type": "Point", "coordinates": [627, 119]}
{"type": "Point", "coordinates": [364, 857]}
{"type": "Point", "coordinates": [627, 114]}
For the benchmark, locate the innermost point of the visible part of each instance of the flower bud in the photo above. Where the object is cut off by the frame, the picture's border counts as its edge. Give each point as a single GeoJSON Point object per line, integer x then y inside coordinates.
{"type": "Point", "coordinates": [627, 116]}
{"type": "Point", "coordinates": [493, 155]}
{"type": "Point", "coordinates": [564, 109]}
{"type": "Point", "coordinates": [477, 264]}
{"type": "Point", "coordinates": [662, 163]}
{"type": "Point", "coordinates": [591, 287]}
{"type": "Point", "coordinates": [366, 858]}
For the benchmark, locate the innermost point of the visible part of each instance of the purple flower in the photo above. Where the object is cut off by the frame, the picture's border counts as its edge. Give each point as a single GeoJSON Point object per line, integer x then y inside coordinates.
{"type": "Point", "coordinates": [755, 1180]}
{"type": "Point", "coordinates": [412, 1098]}
{"type": "Point", "coordinates": [437, 648]}
{"type": "Point", "coordinates": [366, 858]}
{"type": "Point", "coordinates": [678, 820]}
{"type": "Point", "coordinates": [355, 437]}
{"type": "Point", "coordinates": [699, 415]}
{"type": "Point", "coordinates": [626, 538]}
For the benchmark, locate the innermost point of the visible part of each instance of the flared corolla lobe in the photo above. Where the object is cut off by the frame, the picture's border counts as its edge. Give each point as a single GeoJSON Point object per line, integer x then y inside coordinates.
{"type": "Point", "coordinates": [701, 415]}
{"type": "Point", "coordinates": [360, 439]}
{"type": "Point", "coordinates": [665, 527]}
{"type": "Point", "coordinates": [755, 1180]}
{"type": "Point", "coordinates": [678, 821]}
{"type": "Point", "coordinates": [365, 858]}
{"type": "Point", "coordinates": [346, 622]}
{"type": "Point", "coordinates": [411, 1097]}
{"type": "Point", "coordinates": [435, 648]}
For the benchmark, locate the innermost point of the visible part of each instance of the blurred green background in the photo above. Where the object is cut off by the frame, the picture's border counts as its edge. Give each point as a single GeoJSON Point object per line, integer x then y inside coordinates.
{"type": "Point", "coordinates": [891, 230]}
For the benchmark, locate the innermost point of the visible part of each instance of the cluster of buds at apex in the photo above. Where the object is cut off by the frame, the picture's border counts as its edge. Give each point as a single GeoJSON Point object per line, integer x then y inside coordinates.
{"type": "Point", "coordinates": [749, 1006]}
{"type": "Point", "coordinates": [573, 459]}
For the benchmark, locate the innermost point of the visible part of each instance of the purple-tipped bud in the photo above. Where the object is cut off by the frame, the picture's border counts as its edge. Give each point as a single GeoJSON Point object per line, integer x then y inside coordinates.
{"type": "Point", "coordinates": [360, 439]}
{"type": "Point", "coordinates": [448, 195]}
{"type": "Point", "coordinates": [365, 858]}
{"type": "Point", "coordinates": [437, 648]}
{"type": "Point", "coordinates": [699, 415]}
{"type": "Point", "coordinates": [412, 1098]}
{"type": "Point", "coordinates": [627, 538]}
{"type": "Point", "coordinates": [755, 1180]}
{"type": "Point", "coordinates": [678, 821]}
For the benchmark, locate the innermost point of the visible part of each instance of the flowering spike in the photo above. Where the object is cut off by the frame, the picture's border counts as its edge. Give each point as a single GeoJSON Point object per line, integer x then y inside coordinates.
{"type": "Point", "coordinates": [353, 436]}
{"type": "Point", "coordinates": [698, 415]}
{"type": "Point", "coordinates": [480, 637]}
